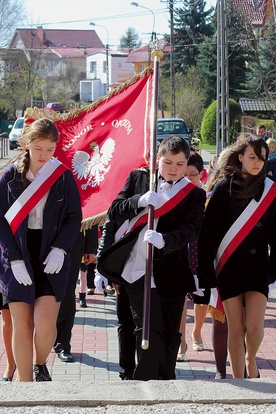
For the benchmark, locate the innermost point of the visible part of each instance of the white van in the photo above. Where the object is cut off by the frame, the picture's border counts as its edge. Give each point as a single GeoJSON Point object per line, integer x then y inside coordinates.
{"type": "Point", "coordinates": [16, 133]}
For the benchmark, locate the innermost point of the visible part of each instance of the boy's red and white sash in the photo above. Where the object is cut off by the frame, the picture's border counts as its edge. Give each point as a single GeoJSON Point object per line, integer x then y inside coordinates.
{"type": "Point", "coordinates": [34, 193]}
{"type": "Point", "coordinates": [167, 201]}
{"type": "Point", "coordinates": [243, 225]}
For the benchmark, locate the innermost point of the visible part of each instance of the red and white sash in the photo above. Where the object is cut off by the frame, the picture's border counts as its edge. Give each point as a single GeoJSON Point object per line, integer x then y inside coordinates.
{"type": "Point", "coordinates": [34, 193]}
{"type": "Point", "coordinates": [167, 201]}
{"type": "Point", "coordinates": [243, 225]}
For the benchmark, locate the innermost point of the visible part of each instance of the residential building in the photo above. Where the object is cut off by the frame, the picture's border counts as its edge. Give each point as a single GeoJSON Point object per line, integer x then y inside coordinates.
{"type": "Point", "coordinates": [58, 54]}
{"type": "Point", "coordinates": [97, 78]}
{"type": "Point", "coordinates": [259, 13]}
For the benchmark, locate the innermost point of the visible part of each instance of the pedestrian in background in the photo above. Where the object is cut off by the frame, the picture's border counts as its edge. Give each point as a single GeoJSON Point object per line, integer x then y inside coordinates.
{"type": "Point", "coordinates": [200, 298]}
{"type": "Point", "coordinates": [261, 132]}
{"type": "Point", "coordinates": [85, 246]}
{"type": "Point", "coordinates": [271, 162]}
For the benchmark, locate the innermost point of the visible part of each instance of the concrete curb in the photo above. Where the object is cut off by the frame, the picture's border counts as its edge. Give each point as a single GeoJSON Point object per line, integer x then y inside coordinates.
{"type": "Point", "coordinates": [103, 393]}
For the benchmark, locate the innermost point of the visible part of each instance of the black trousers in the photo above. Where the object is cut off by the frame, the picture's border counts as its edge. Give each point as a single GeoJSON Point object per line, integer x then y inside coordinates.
{"type": "Point", "coordinates": [158, 361]}
{"type": "Point", "coordinates": [126, 335]}
{"type": "Point", "coordinates": [66, 316]}
{"type": "Point", "coordinates": [91, 275]}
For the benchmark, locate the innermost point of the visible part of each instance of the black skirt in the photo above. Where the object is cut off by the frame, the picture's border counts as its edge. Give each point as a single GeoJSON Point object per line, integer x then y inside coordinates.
{"type": "Point", "coordinates": [41, 282]}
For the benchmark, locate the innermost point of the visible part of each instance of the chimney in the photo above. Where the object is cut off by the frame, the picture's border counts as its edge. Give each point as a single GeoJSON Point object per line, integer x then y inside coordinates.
{"type": "Point", "coordinates": [40, 33]}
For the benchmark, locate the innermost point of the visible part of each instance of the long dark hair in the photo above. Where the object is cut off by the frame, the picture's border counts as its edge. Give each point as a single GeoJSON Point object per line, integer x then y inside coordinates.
{"type": "Point", "coordinates": [244, 186]}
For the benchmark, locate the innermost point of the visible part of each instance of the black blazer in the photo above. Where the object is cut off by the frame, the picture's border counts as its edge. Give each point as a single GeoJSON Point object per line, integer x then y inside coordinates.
{"type": "Point", "coordinates": [250, 267]}
{"type": "Point", "coordinates": [180, 226]}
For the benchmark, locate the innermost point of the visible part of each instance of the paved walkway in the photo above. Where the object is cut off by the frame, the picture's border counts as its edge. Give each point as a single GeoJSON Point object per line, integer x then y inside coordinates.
{"type": "Point", "coordinates": [91, 384]}
{"type": "Point", "coordinates": [95, 346]}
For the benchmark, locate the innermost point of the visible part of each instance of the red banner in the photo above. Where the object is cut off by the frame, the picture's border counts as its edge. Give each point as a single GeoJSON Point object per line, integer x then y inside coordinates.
{"type": "Point", "coordinates": [101, 143]}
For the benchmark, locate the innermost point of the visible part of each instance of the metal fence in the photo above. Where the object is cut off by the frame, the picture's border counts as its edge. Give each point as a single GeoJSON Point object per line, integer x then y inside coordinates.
{"type": "Point", "coordinates": [4, 145]}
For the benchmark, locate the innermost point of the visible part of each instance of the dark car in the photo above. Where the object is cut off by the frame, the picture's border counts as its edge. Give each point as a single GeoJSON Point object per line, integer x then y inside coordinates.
{"type": "Point", "coordinates": [172, 126]}
{"type": "Point", "coordinates": [54, 106]}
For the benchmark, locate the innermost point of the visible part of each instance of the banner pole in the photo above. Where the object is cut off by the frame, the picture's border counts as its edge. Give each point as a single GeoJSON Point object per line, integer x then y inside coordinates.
{"type": "Point", "coordinates": [156, 54]}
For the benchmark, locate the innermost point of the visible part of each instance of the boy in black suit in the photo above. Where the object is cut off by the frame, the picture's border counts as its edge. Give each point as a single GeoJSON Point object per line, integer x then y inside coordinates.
{"type": "Point", "coordinates": [179, 207]}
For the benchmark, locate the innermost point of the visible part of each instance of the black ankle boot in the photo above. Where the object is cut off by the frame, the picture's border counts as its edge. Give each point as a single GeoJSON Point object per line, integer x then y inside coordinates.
{"type": "Point", "coordinates": [41, 373]}
{"type": "Point", "coordinates": [82, 300]}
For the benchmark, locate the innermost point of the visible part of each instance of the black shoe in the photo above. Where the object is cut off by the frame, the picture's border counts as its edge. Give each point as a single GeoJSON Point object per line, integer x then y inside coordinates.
{"type": "Point", "coordinates": [83, 303]}
{"type": "Point", "coordinates": [90, 291]}
{"type": "Point", "coordinates": [125, 376]}
{"type": "Point", "coordinates": [82, 300]}
{"type": "Point", "coordinates": [110, 290]}
{"type": "Point", "coordinates": [41, 373]}
{"type": "Point", "coordinates": [66, 356]}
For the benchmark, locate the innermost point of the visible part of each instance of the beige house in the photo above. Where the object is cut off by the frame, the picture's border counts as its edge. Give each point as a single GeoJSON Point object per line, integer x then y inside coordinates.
{"type": "Point", "coordinates": [57, 54]}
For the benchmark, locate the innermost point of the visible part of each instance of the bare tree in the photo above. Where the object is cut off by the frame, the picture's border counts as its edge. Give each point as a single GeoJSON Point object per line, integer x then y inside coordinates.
{"type": "Point", "coordinates": [12, 12]}
{"type": "Point", "coordinates": [20, 81]}
{"type": "Point", "coordinates": [189, 97]}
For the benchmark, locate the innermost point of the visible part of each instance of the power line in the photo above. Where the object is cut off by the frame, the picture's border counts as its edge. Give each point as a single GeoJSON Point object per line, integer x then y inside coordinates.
{"type": "Point", "coordinates": [118, 16]}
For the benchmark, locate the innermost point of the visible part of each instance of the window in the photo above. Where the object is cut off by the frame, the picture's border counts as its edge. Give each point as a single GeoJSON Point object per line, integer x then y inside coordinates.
{"type": "Point", "coordinates": [104, 67]}
{"type": "Point", "coordinates": [93, 67]}
{"type": "Point", "coordinates": [62, 66]}
{"type": "Point", "coordinates": [51, 65]}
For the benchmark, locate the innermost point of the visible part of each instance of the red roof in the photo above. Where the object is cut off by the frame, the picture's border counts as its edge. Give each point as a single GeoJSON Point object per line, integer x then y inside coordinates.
{"type": "Point", "coordinates": [74, 52]}
{"type": "Point", "coordinates": [254, 10]}
{"type": "Point", "coordinates": [139, 55]}
{"type": "Point", "coordinates": [142, 54]}
{"type": "Point", "coordinates": [44, 38]}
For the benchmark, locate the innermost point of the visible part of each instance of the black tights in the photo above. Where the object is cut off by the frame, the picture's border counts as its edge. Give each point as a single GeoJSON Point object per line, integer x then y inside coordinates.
{"type": "Point", "coordinates": [219, 339]}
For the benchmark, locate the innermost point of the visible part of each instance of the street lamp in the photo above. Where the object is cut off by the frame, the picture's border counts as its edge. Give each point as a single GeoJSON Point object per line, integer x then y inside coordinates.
{"type": "Point", "coordinates": [153, 33]}
{"type": "Point", "coordinates": [106, 49]}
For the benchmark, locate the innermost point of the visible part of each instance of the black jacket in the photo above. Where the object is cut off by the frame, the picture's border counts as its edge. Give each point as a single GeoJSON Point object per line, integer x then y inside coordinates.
{"type": "Point", "coordinates": [180, 226]}
{"type": "Point", "coordinates": [250, 267]}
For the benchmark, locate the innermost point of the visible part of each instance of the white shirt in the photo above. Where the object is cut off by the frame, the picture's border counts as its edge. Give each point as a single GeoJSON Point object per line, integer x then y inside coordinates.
{"type": "Point", "coordinates": [35, 220]}
{"type": "Point", "coordinates": [135, 266]}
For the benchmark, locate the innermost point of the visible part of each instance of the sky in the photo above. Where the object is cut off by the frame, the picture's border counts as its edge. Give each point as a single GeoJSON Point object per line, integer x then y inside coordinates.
{"type": "Point", "coordinates": [115, 15]}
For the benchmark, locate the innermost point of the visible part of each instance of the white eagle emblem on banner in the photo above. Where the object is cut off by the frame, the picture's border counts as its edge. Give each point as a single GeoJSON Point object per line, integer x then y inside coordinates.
{"type": "Point", "coordinates": [93, 167]}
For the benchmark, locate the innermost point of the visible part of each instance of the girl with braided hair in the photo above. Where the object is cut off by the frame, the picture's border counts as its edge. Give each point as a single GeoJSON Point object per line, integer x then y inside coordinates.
{"type": "Point", "coordinates": [40, 217]}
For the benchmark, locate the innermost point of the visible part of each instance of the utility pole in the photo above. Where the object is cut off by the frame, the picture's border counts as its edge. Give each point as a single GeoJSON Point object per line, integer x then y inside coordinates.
{"type": "Point", "coordinates": [172, 70]}
{"type": "Point", "coordinates": [222, 120]}
{"type": "Point", "coordinates": [106, 53]}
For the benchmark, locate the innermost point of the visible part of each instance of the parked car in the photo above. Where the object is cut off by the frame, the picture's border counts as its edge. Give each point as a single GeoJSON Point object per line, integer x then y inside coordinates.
{"type": "Point", "coordinates": [172, 126]}
{"type": "Point", "coordinates": [54, 106]}
{"type": "Point", "coordinates": [16, 133]}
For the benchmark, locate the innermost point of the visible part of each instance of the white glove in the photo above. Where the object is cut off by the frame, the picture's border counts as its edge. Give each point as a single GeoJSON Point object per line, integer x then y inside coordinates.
{"type": "Point", "coordinates": [155, 238]}
{"type": "Point", "coordinates": [21, 273]}
{"type": "Point", "coordinates": [54, 261]}
{"type": "Point", "coordinates": [99, 281]}
{"type": "Point", "coordinates": [198, 292]}
{"type": "Point", "coordinates": [150, 197]}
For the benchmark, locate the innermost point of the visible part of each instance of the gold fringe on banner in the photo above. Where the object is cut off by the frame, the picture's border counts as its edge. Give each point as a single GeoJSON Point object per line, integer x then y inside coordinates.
{"type": "Point", "coordinates": [92, 221]}
{"type": "Point", "coordinates": [216, 314]}
{"type": "Point", "coordinates": [37, 113]}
